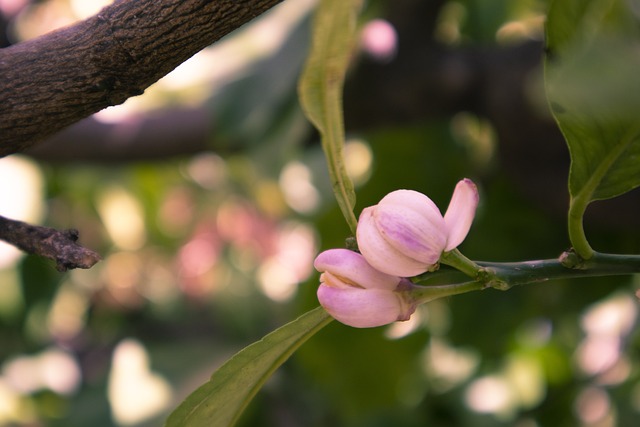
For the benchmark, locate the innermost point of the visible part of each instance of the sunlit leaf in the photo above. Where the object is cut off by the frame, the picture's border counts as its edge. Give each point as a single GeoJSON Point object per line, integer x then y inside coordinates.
{"type": "Point", "coordinates": [591, 69]}
{"type": "Point", "coordinates": [320, 90]}
{"type": "Point", "coordinates": [221, 401]}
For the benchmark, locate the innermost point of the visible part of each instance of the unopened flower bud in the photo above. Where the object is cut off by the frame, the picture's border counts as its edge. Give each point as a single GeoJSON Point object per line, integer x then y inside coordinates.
{"type": "Point", "coordinates": [405, 234]}
{"type": "Point", "coordinates": [358, 295]}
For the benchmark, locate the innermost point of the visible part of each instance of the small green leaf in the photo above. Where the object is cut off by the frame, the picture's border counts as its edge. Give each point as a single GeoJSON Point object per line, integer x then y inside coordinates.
{"type": "Point", "coordinates": [320, 90]}
{"type": "Point", "coordinates": [221, 401]}
{"type": "Point", "coordinates": [591, 80]}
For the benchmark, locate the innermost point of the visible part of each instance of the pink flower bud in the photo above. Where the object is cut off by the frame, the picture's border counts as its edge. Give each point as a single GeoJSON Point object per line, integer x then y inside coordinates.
{"type": "Point", "coordinates": [358, 295]}
{"type": "Point", "coordinates": [405, 234]}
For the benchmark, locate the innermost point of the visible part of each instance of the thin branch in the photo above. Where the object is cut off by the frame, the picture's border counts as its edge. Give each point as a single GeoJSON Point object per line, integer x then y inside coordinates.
{"type": "Point", "coordinates": [59, 246]}
{"type": "Point", "coordinates": [600, 264]}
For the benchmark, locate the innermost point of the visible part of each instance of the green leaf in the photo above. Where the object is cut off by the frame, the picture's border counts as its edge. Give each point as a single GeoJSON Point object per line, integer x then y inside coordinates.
{"type": "Point", "coordinates": [592, 64]}
{"type": "Point", "coordinates": [591, 72]}
{"type": "Point", "coordinates": [221, 401]}
{"type": "Point", "coordinates": [320, 90]}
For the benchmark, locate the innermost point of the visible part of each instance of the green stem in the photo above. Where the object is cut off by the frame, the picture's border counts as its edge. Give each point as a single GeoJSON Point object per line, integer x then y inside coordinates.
{"type": "Point", "coordinates": [460, 262]}
{"type": "Point", "coordinates": [600, 264]}
{"type": "Point", "coordinates": [505, 275]}
{"type": "Point", "coordinates": [422, 294]}
{"type": "Point", "coordinates": [577, 235]}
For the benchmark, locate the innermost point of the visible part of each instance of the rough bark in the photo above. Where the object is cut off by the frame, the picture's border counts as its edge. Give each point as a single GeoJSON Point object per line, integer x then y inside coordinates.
{"type": "Point", "coordinates": [55, 80]}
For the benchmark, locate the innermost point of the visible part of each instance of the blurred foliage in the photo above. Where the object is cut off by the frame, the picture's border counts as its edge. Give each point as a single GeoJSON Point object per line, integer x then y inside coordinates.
{"type": "Point", "coordinates": [204, 255]}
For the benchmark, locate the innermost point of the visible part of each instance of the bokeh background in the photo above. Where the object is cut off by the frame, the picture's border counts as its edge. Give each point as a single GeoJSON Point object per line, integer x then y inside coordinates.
{"type": "Point", "coordinates": [208, 198]}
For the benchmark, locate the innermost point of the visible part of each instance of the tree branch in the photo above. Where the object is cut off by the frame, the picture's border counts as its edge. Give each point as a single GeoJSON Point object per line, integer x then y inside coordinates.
{"type": "Point", "coordinates": [59, 246]}
{"type": "Point", "coordinates": [145, 137]}
{"type": "Point", "coordinates": [55, 80]}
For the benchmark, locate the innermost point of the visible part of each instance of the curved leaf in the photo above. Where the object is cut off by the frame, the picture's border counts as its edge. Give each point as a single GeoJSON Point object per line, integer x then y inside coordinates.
{"type": "Point", "coordinates": [320, 90]}
{"type": "Point", "coordinates": [591, 78]}
{"type": "Point", "coordinates": [221, 401]}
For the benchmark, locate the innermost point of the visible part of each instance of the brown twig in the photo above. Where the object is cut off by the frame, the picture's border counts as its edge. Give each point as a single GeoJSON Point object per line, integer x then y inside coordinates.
{"type": "Point", "coordinates": [56, 245]}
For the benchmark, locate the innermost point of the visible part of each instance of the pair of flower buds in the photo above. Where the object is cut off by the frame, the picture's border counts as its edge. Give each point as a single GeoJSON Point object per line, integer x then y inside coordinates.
{"type": "Point", "coordinates": [404, 235]}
